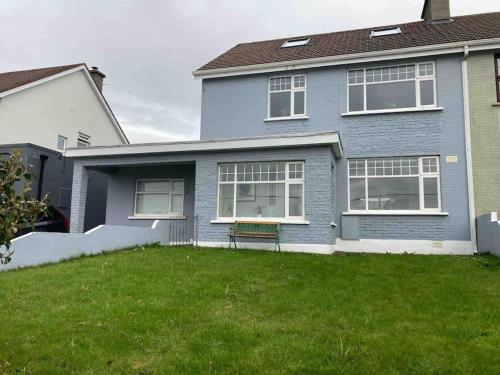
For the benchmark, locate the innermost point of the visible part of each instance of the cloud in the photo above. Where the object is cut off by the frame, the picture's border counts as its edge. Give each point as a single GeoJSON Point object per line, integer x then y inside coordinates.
{"type": "Point", "coordinates": [148, 48]}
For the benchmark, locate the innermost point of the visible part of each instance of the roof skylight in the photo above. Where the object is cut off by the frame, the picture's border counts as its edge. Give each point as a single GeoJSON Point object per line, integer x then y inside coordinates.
{"type": "Point", "coordinates": [385, 31]}
{"type": "Point", "coordinates": [296, 42]}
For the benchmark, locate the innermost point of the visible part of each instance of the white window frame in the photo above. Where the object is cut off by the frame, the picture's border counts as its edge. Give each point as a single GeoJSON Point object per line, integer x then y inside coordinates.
{"type": "Point", "coordinates": [418, 79]}
{"type": "Point", "coordinates": [421, 176]}
{"type": "Point", "coordinates": [292, 97]}
{"type": "Point", "coordinates": [64, 140]}
{"type": "Point", "coordinates": [288, 181]}
{"type": "Point", "coordinates": [170, 193]}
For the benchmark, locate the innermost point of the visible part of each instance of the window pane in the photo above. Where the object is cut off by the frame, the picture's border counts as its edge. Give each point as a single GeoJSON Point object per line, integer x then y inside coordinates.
{"type": "Point", "coordinates": [260, 200]}
{"type": "Point", "coordinates": [226, 200]}
{"type": "Point", "coordinates": [153, 186]}
{"type": "Point", "coordinates": [295, 200]}
{"type": "Point", "coordinates": [391, 95]}
{"type": "Point", "coordinates": [393, 193]}
{"type": "Point", "coordinates": [152, 203]}
{"type": "Point", "coordinates": [280, 104]}
{"type": "Point", "coordinates": [427, 92]}
{"type": "Point", "coordinates": [177, 203]}
{"type": "Point", "coordinates": [178, 186]}
{"type": "Point", "coordinates": [356, 100]}
{"type": "Point", "coordinates": [357, 199]}
{"type": "Point", "coordinates": [299, 103]}
{"type": "Point", "coordinates": [431, 192]}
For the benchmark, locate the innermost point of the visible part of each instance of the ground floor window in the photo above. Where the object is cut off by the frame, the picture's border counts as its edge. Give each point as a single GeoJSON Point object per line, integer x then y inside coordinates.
{"type": "Point", "coordinates": [159, 197]}
{"type": "Point", "coordinates": [394, 184]}
{"type": "Point", "coordinates": [267, 190]}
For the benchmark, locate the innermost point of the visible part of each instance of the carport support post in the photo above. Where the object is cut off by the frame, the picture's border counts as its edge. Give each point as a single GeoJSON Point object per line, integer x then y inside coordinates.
{"type": "Point", "coordinates": [78, 198]}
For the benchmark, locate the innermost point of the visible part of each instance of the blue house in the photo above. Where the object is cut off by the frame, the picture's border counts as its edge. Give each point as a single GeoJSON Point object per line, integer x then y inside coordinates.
{"type": "Point", "coordinates": [352, 141]}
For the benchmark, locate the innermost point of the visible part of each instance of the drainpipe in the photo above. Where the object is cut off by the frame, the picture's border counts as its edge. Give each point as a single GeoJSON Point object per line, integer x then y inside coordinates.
{"type": "Point", "coordinates": [468, 148]}
{"type": "Point", "coordinates": [43, 159]}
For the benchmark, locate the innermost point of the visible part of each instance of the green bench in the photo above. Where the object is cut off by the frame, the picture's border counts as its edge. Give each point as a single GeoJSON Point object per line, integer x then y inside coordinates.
{"type": "Point", "coordinates": [255, 229]}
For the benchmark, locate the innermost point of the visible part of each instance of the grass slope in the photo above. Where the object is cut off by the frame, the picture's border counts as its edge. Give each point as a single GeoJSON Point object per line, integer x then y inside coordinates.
{"type": "Point", "coordinates": [181, 310]}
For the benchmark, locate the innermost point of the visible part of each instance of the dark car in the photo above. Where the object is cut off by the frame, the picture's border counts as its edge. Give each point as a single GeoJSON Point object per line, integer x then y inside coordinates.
{"type": "Point", "coordinates": [52, 221]}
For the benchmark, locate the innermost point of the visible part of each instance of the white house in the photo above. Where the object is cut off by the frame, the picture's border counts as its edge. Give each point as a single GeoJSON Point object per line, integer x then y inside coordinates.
{"type": "Point", "coordinates": [57, 107]}
{"type": "Point", "coordinates": [44, 111]}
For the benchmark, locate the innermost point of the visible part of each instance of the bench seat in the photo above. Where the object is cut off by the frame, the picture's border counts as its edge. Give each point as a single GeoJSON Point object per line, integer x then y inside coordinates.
{"type": "Point", "coordinates": [255, 229]}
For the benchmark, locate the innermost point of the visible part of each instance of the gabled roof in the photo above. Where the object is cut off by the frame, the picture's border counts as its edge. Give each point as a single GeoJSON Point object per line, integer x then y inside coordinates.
{"type": "Point", "coordinates": [11, 82]}
{"type": "Point", "coordinates": [413, 34]}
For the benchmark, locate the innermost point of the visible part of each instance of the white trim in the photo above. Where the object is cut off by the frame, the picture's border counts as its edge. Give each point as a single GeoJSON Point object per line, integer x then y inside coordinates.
{"type": "Point", "coordinates": [94, 87]}
{"type": "Point", "coordinates": [421, 175]}
{"type": "Point", "coordinates": [286, 181]}
{"type": "Point", "coordinates": [94, 229]}
{"type": "Point", "coordinates": [398, 110]}
{"type": "Point", "coordinates": [232, 220]}
{"type": "Point", "coordinates": [468, 148]}
{"type": "Point", "coordinates": [394, 213]}
{"type": "Point", "coordinates": [292, 248]}
{"type": "Point", "coordinates": [356, 58]}
{"type": "Point", "coordinates": [292, 92]}
{"type": "Point", "coordinates": [286, 118]}
{"type": "Point", "coordinates": [171, 192]}
{"type": "Point", "coordinates": [295, 140]}
{"type": "Point", "coordinates": [423, 247]}
{"type": "Point", "coordinates": [417, 79]}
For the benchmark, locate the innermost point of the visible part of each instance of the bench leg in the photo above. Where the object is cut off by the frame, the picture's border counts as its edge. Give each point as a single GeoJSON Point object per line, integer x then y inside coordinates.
{"type": "Point", "coordinates": [232, 240]}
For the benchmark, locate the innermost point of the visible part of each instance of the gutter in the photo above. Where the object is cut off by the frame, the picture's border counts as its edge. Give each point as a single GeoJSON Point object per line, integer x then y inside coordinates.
{"type": "Point", "coordinates": [356, 58]}
{"type": "Point", "coordinates": [468, 148]}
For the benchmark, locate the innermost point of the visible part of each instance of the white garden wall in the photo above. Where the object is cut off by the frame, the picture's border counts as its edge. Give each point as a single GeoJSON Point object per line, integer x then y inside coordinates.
{"type": "Point", "coordinates": [40, 248]}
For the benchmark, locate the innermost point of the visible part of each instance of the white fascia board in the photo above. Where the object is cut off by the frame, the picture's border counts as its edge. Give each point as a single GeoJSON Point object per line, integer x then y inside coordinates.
{"type": "Point", "coordinates": [358, 58]}
{"type": "Point", "coordinates": [317, 139]}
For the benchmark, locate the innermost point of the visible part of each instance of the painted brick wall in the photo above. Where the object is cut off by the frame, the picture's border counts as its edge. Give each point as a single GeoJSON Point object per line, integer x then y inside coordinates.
{"type": "Point", "coordinates": [237, 106]}
{"type": "Point", "coordinates": [485, 132]}
{"type": "Point", "coordinates": [318, 177]}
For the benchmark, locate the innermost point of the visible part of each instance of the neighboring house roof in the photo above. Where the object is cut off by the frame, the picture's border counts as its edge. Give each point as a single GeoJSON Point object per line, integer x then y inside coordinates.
{"type": "Point", "coordinates": [413, 34]}
{"type": "Point", "coordinates": [11, 82]}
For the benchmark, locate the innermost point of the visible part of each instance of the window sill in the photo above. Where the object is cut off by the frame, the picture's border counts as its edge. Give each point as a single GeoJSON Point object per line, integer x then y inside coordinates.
{"type": "Point", "coordinates": [401, 213]}
{"type": "Point", "coordinates": [286, 118]}
{"type": "Point", "coordinates": [495, 104]}
{"type": "Point", "coordinates": [383, 111]}
{"type": "Point", "coordinates": [157, 217]}
{"type": "Point", "coordinates": [260, 220]}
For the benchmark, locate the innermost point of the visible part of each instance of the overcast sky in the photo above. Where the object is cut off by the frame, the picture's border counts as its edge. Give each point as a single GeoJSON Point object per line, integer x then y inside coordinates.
{"type": "Point", "coordinates": [148, 48]}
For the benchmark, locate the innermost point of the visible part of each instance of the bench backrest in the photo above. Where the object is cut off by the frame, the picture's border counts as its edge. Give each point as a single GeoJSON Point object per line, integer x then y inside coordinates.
{"type": "Point", "coordinates": [256, 227]}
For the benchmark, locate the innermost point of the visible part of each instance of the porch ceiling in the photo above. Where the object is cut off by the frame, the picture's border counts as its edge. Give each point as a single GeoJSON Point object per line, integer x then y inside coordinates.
{"type": "Point", "coordinates": [282, 141]}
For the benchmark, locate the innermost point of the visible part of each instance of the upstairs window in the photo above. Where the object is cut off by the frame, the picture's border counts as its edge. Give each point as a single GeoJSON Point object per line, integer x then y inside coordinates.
{"type": "Point", "coordinates": [296, 42]}
{"type": "Point", "coordinates": [287, 96]}
{"type": "Point", "coordinates": [83, 140]}
{"type": "Point", "coordinates": [394, 184]}
{"type": "Point", "coordinates": [497, 76]}
{"type": "Point", "coordinates": [411, 86]}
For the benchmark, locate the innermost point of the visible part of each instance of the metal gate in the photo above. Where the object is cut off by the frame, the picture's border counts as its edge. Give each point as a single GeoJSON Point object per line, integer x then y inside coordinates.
{"type": "Point", "coordinates": [183, 231]}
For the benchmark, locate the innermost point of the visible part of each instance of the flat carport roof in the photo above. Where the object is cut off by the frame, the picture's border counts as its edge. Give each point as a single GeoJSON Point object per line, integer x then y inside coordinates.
{"type": "Point", "coordinates": [231, 144]}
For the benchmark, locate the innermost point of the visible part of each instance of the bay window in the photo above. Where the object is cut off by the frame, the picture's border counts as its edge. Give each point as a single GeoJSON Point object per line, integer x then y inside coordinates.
{"type": "Point", "coordinates": [263, 190]}
{"type": "Point", "coordinates": [159, 197]}
{"type": "Point", "coordinates": [394, 184]}
{"type": "Point", "coordinates": [287, 96]}
{"type": "Point", "coordinates": [410, 86]}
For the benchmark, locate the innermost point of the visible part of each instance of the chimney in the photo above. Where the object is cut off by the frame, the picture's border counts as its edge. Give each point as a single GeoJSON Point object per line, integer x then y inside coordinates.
{"type": "Point", "coordinates": [98, 77]}
{"type": "Point", "coordinates": [436, 11]}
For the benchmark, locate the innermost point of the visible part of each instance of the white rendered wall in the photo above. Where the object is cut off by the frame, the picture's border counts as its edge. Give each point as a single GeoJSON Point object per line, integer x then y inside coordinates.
{"type": "Point", "coordinates": [63, 106]}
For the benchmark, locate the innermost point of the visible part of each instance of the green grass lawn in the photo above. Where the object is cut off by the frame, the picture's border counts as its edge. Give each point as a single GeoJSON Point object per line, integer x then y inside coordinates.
{"type": "Point", "coordinates": [183, 310]}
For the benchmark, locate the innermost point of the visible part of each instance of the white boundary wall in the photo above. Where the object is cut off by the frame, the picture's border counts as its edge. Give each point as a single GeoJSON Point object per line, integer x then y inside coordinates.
{"type": "Point", "coordinates": [488, 233]}
{"type": "Point", "coordinates": [39, 248]}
